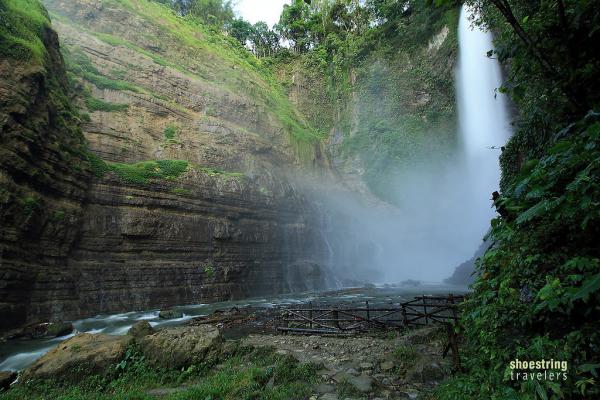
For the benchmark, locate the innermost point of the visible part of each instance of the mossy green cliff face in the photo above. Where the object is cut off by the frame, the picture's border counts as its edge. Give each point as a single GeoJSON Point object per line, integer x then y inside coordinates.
{"type": "Point", "coordinates": [385, 98]}
{"type": "Point", "coordinates": [44, 171]}
{"type": "Point", "coordinates": [167, 187]}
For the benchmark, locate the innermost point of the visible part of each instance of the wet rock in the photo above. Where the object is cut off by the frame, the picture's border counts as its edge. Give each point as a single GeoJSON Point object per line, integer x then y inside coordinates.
{"type": "Point", "coordinates": [140, 329]}
{"type": "Point", "coordinates": [422, 336]}
{"type": "Point", "coordinates": [366, 365]}
{"type": "Point", "coordinates": [325, 388]}
{"type": "Point", "coordinates": [387, 365]}
{"type": "Point", "coordinates": [170, 314]}
{"type": "Point", "coordinates": [164, 392]}
{"type": "Point", "coordinates": [79, 356]}
{"type": "Point", "coordinates": [363, 384]}
{"type": "Point", "coordinates": [425, 370]}
{"type": "Point", "coordinates": [342, 377]}
{"type": "Point", "coordinates": [6, 378]}
{"type": "Point", "coordinates": [329, 396]}
{"type": "Point", "coordinates": [57, 329]}
{"type": "Point", "coordinates": [181, 346]}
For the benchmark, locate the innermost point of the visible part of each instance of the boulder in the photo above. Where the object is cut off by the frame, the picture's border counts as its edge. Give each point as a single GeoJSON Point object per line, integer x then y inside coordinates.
{"type": "Point", "coordinates": [57, 329]}
{"type": "Point", "coordinates": [425, 370]}
{"type": "Point", "coordinates": [181, 346]}
{"type": "Point", "coordinates": [6, 378]}
{"type": "Point", "coordinates": [140, 329]}
{"type": "Point", "coordinates": [387, 365]}
{"type": "Point", "coordinates": [170, 314]}
{"type": "Point", "coordinates": [363, 384]}
{"type": "Point", "coordinates": [82, 355]}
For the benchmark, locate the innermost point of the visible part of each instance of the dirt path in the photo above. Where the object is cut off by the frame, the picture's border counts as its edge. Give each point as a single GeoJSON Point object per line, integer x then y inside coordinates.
{"type": "Point", "coordinates": [391, 367]}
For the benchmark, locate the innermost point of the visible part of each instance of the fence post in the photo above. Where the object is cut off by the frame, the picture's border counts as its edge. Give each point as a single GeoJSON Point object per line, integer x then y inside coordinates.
{"type": "Point", "coordinates": [336, 318]}
{"type": "Point", "coordinates": [368, 315]}
{"type": "Point", "coordinates": [454, 346]}
{"type": "Point", "coordinates": [310, 314]}
{"type": "Point", "coordinates": [425, 310]}
{"type": "Point", "coordinates": [405, 320]}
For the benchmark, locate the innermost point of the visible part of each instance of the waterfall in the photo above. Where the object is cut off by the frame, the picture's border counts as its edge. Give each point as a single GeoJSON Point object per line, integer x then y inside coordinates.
{"type": "Point", "coordinates": [483, 116]}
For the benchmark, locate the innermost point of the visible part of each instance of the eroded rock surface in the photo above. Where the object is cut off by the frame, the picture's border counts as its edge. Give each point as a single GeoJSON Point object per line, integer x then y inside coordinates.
{"type": "Point", "coordinates": [181, 346]}
{"type": "Point", "coordinates": [81, 355]}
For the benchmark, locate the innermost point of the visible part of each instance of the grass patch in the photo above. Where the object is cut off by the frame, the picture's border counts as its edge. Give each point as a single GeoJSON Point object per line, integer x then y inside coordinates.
{"type": "Point", "coordinates": [170, 132]}
{"type": "Point", "coordinates": [214, 172]}
{"type": "Point", "coordinates": [142, 172]}
{"type": "Point", "coordinates": [79, 64]}
{"type": "Point", "coordinates": [406, 354]}
{"type": "Point", "coordinates": [181, 191]}
{"type": "Point", "coordinates": [29, 204]}
{"type": "Point", "coordinates": [94, 104]}
{"type": "Point", "coordinates": [22, 26]}
{"type": "Point", "coordinates": [346, 390]}
{"type": "Point", "coordinates": [243, 373]}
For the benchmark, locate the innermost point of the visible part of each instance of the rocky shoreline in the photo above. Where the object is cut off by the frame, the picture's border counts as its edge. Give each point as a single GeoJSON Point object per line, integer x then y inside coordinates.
{"type": "Point", "coordinates": [380, 365]}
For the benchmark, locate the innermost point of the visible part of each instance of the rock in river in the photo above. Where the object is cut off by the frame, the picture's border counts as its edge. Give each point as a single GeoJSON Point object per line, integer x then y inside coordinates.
{"type": "Point", "coordinates": [140, 329]}
{"type": "Point", "coordinates": [170, 314]}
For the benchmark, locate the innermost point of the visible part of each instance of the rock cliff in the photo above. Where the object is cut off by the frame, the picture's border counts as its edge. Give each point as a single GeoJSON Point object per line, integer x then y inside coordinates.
{"type": "Point", "coordinates": [172, 188]}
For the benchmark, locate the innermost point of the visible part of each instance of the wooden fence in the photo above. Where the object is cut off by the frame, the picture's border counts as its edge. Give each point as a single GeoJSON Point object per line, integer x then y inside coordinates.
{"type": "Point", "coordinates": [421, 311]}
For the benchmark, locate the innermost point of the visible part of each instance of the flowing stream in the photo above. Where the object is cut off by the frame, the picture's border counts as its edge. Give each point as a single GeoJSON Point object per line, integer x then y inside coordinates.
{"type": "Point", "coordinates": [484, 126]}
{"type": "Point", "coordinates": [18, 354]}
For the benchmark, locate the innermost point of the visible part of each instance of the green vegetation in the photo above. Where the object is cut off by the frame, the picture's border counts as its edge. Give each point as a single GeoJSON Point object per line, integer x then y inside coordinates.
{"type": "Point", "coordinates": [79, 64]}
{"type": "Point", "coordinates": [209, 271]}
{"type": "Point", "coordinates": [23, 25]}
{"type": "Point", "coordinates": [94, 104]}
{"type": "Point", "coordinates": [405, 354]}
{"type": "Point", "coordinates": [30, 204]}
{"type": "Point", "coordinates": [368, 75]}
{"type": "Point", "coordinates": [239, 176]}
{"type": "Point", "coordinates": [170, 132]}
{"type": "Point", "coordinates": [141, 172]}
{"type": "Point", "coordinates": [537, 293]}
{"type": "Point", "coordinates": [58, 215]}
{"type": "Point", "coordinates": [181, 191]}
{"type": "Point", "coordinates": [240, 374]}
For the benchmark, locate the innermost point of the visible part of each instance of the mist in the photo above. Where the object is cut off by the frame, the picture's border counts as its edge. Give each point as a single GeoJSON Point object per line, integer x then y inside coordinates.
{"type": "Point", "coordinates": [442, 198]}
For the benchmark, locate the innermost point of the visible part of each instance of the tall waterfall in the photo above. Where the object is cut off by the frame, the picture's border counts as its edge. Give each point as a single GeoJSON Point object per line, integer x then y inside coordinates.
{"type": "Point", "coordinates": [483, 116]}
{"type": "Point", "coordinates": [443, 196]}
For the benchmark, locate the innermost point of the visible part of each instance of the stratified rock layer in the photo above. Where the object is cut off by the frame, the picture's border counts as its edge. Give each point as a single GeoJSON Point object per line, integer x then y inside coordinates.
{"type": "Point", "coordinates": [77, 243]}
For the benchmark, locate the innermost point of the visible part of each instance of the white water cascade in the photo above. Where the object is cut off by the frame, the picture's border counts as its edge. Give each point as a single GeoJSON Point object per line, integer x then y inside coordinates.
{"type": "Point", "coordinates": [483, 116]}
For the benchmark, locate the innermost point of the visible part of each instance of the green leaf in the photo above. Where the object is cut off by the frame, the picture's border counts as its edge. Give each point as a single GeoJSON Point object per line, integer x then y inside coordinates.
{"type": "Point", "coordinates": [534, 212]}
{"type": "Point", "coordinates": [589, 287]}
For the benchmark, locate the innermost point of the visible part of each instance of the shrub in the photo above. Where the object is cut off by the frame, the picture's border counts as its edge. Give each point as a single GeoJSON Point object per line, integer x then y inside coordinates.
{"type": "Point", "coordinates": [94, 104]}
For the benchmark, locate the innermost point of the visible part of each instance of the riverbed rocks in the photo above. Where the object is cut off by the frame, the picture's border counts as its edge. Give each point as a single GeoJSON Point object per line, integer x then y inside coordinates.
{"type": "Point", "coordinates": [140, 329]}
{"type": "Point", "coordinates": [369, 366]}
{"type": "Point", "coordinates": [181, 346]}
{"type": "Point", "coordinates": [170, 314]}
{"type": "Point", "coordinates": [6, 378]}
{"type": "Point", "coordinates": [40, 330]}
{"type": "Point", "coordinates": [82, 355]}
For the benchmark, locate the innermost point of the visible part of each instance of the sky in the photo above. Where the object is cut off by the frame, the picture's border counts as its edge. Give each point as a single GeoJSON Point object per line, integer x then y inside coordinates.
{"type": "Point", "coordinates": [261, 10]}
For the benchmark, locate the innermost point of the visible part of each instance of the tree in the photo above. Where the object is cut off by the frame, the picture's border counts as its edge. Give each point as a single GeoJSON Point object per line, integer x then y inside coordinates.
{"type": "Point", "coordinates": [294, 25]}
{"type": "Point", "coordinates": [241, 30]}
{"type": "Point", "coordinates": [265, 42]}
{"type": "Point", "coordinates": [213, 12]}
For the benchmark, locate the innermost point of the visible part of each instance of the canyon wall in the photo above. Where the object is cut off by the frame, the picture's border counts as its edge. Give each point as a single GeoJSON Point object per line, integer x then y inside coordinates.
{"type": "Point", "coordinates": [170, 186]}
